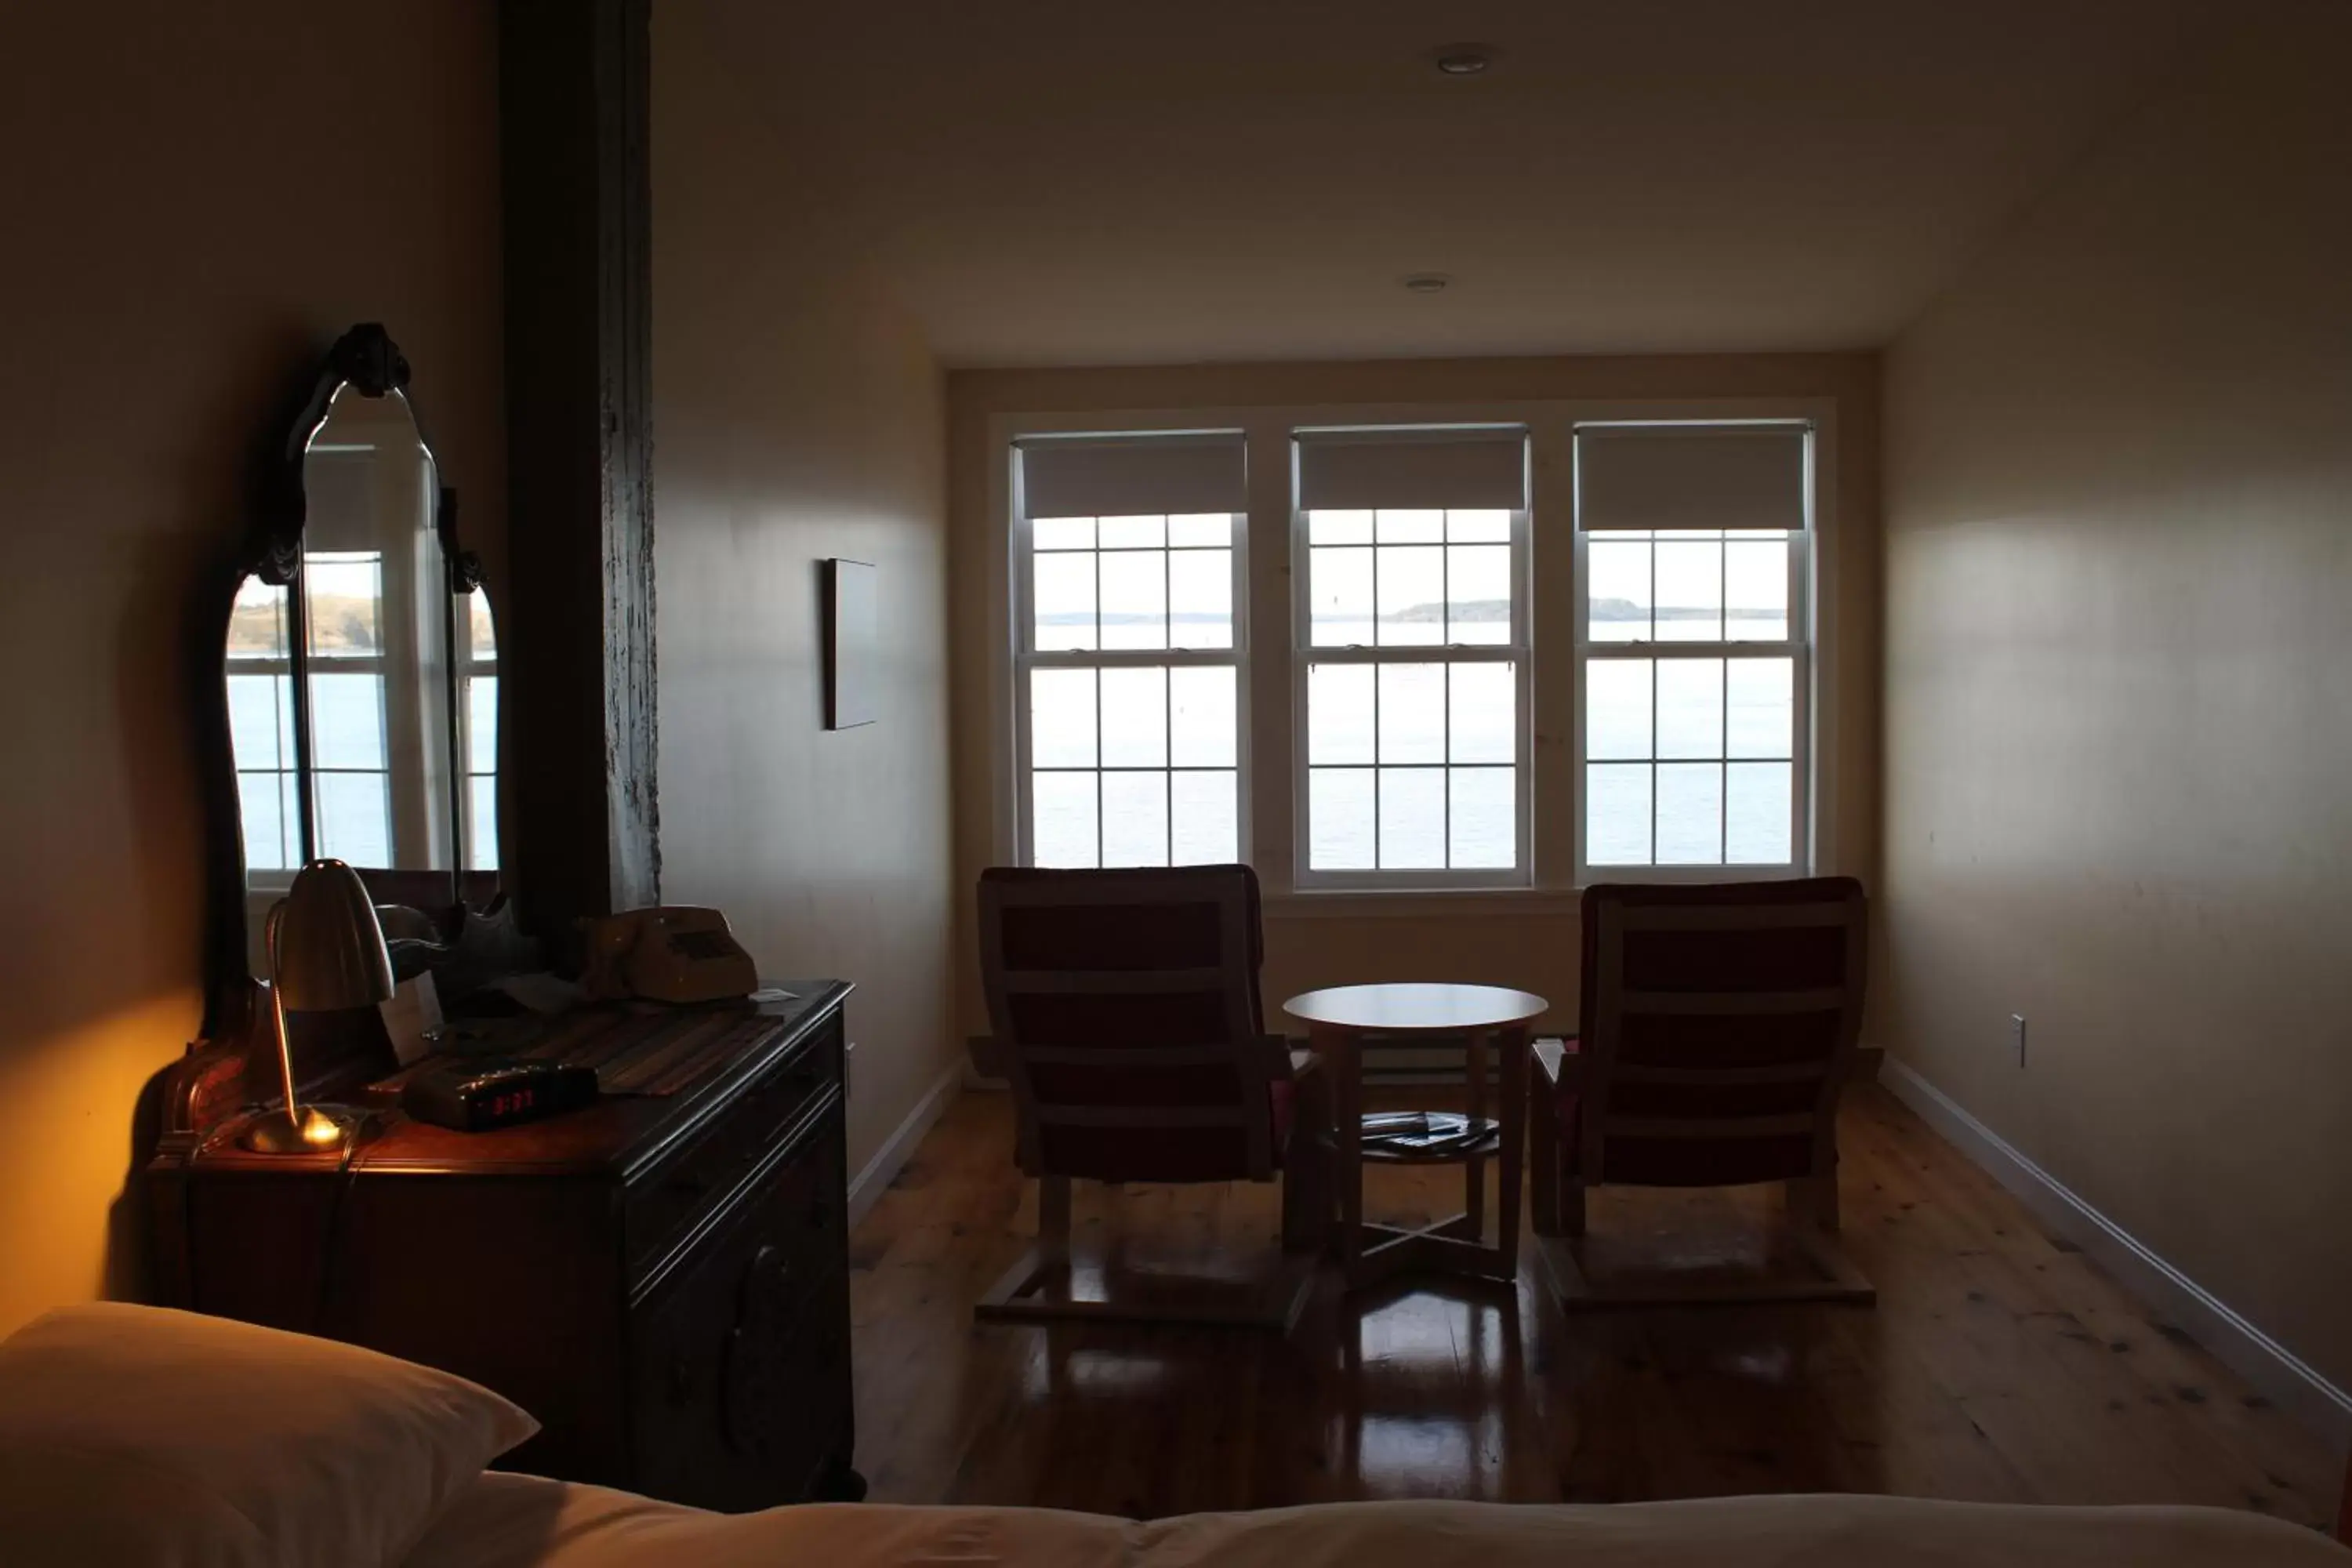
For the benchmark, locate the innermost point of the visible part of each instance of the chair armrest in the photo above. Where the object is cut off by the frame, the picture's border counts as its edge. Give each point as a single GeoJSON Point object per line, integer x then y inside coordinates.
{"type": "Point", "coordinates": [1559, 1062]}
{"type": "Point", "coordinates": [989, 1057]}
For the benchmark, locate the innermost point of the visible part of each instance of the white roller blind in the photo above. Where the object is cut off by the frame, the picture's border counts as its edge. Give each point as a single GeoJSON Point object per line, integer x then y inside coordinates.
{"type": "Point", "coordinates": [1719, 477]}
{"type": "Point", "coordinates": [1361, 469]}
{"type": "Point", "coordinates": [1132, 476]}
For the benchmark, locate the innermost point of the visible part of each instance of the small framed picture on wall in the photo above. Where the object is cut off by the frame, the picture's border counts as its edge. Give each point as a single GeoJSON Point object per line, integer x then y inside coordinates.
{"type": "Point", "coordinates": [850, 646]}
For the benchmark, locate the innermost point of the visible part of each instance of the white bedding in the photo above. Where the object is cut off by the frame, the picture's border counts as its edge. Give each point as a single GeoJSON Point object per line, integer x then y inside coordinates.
{"type": "Point", "coordinates": [518, 1521]}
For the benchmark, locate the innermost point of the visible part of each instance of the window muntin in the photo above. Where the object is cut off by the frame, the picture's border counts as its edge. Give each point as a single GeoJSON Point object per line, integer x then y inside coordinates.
{"type": "Point", "coordinates": [1413, 696]}
{"type": "Point", "coordinates": [1694, 722]}
{"type": "Point", "coordinates": [1130, 687]}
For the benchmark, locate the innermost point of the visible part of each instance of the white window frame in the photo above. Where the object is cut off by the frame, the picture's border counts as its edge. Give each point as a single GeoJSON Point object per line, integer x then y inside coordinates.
{"type": "Point", "coordinates": [1519, 650]}
{"type": "Point", "coordinates": [1027, 657]}
{"type": "Point", "coordinates": [1799, 648]}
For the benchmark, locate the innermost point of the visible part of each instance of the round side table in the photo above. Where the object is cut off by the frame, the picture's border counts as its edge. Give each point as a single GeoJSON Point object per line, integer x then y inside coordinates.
{"type": "Point", "coordinates": [1337, 1019]}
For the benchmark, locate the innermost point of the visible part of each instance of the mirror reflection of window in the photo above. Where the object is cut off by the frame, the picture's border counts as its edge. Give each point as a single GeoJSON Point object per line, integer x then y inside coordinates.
{"type": "Point", "coordinates": [343, 598]}
{"type": "Point", "coordinates": [477, 709]}
{"type": "Point", "coordinates": [261, 727]}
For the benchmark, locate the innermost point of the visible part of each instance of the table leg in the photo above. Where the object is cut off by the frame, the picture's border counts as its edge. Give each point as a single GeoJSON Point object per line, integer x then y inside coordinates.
{"type": "Point", "coordinates": [1514, 1118]}
{"type": "Point", "coordinates": [1345, 1063]}
{"type": "Point", "coordinates": [1474, 1169]}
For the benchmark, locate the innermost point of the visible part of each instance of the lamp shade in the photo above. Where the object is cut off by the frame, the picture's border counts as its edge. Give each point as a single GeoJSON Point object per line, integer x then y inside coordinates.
{"type": "Point", "coordinates": [328, 950]}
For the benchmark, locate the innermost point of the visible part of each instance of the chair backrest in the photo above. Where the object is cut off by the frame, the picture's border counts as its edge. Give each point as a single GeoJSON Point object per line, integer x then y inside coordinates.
{"type": "Point", "coordinates": [1125, 1005]}
{"type": "Point", "coordinates": [1718, 1024]}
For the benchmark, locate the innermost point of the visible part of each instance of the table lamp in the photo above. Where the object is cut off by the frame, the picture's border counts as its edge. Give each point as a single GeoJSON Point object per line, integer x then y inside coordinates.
{"type": "Point", "coordinates": [326, 953]}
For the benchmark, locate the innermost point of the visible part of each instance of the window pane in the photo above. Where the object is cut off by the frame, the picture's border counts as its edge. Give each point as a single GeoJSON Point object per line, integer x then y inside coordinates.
{"type": "Point", "coordinates": [1134, 598]}
{"type": "Point", "coordinates": [1206, 825]}
{"type": "Point", "coordinates": [1202, 728]}
{"type": "Point", "coordinates": [1061, 718]}
{"type": "Point", "coordinates": [1339, 819]}
{"type": "Point", "coordinates": [347, 726]}
{"type": "Point", "coordinates": [1200, 598]}
{"type": "Point", "coordinates": [1062, 820]}
{"type": "Point", "coordinates": [1201, 528]}
{"type": "Point", "coordinates": [482, 848]}
{"type": "Point", "coordinates": [1134, 724]}
{"type": "Point", "coordinates": [1756, 590]}
{"type": "Point", "coordinates": [1328, 527]}
{"type": "Point", "coordinates": [1338, 714]}
{"type": "Point", "coordinates": [257, 622]}
{"type": "Point", "coordinates": [1339, 597]}
{"type": "Point", "coordinates": [343, 596]}
{"type": "Point", "coordinates": [1619, 570]}
{"type": "Point", "coordinates": [482, 724]}
{"type": "Point", "coordinates": [1413, 819]}
{"type": "Point", "coordinates": [1756, 814]}
{"type": "Point", "coordinates": [261, 721]}
{"type": "Point", "coordinates": [1133, 533]}
{"type": "Point", "coordinates": [1479, 525]}
{"type": "Point", "coordinates": [1690, 707]}
{"type": "Point", "coordinates": [268, 836]}
{"type": "Point", "coordinates": [355, 817]}
{"type": "Point", "coordinates": [1763, 707]}
{"type": "Point", "coordinates": [1617, 814]}
{"type": "Point", "coordinates": [1484, 714]}
{"type": "Point", "coordinates": [1413, 713]}
{"type": "Point", "coordinates": [1690, 592]}
{"type": "Point", "coordinates": [1617, 708]}
{"type": "Point", "coordinates": [1484, 830]}
{"type": "Point", "coordinates": [1478, 593]}
{"type": "Point", "coordinates": [1690, 814]}
{"type": "Point", "coordinates": [1409, 527]}
{"type": "Point", "coordinates": [477, 631]}
{"type": "Point", "coordinates": [1135, 819]}
{"type": "Point", "coordinates": [1062, 533]}
{"type": "Point", "coordinates": [1411, 594]}
{"type": "Point", "coordinates": [1066, 601]}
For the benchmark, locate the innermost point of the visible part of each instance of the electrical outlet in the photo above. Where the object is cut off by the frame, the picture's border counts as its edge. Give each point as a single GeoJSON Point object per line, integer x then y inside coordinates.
{"type": "Point", "coordinates": [2017, 1036]}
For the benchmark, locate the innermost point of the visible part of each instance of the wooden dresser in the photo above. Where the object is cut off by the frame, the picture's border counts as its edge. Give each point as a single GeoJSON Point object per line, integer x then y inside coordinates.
{"type": "Point", "coordinates": [662, 1281]}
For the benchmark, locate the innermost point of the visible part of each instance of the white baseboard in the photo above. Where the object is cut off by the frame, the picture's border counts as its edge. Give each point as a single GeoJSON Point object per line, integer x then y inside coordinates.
{"type": "Point", "coordinates": [897, 1149]}
{"type": "Point", "coordinates": [2285, 1379]}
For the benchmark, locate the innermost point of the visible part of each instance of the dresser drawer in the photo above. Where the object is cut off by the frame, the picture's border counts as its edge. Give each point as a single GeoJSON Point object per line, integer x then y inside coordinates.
{"type": "Point", "coordinates": [740, 1363]}
{"type": "Point", "coordinates": [665, 1207]}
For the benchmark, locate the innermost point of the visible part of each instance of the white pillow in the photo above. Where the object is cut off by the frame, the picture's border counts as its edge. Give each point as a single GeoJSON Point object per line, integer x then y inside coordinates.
{"type": "Point", "coordinates": [138, 1436]}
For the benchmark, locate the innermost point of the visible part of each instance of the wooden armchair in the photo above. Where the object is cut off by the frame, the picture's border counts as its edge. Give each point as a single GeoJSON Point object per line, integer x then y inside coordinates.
{"type": "Point", "coordinates": [1126, 1010]}
{"type": "Point", "coordinates": [1718, 1026]}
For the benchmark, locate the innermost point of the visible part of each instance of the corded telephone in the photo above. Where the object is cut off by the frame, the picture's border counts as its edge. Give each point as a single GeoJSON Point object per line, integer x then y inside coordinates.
{"type": "Point", "coordinates": [675, 953]}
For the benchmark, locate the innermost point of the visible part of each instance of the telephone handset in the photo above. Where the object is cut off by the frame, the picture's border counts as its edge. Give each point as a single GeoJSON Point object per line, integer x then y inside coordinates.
{"type": "Point", "coordinates": [674, 953]}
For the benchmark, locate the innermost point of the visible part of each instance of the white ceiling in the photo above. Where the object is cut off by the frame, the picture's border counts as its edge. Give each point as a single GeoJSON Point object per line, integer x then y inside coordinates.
{"type": "Point", "coordinates": [1063, 182]}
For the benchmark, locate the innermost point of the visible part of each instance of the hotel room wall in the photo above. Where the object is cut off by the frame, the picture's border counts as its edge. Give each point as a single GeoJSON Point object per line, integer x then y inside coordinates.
{"type": "Point", "coordinates": [200, 198]}
{"type": "Point", "coordinates": [797, 415]}
{"type": "Point", "coordinates": [2117, 741]}
{"type": "Point", "coordinates": [1514, 940]}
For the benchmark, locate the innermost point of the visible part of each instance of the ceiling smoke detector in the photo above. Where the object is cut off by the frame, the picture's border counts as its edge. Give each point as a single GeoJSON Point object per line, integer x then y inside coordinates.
{"type": "Point", "coordinates": [1463, 60]}
{"type": "Point", "coordinates": [1426, 282]}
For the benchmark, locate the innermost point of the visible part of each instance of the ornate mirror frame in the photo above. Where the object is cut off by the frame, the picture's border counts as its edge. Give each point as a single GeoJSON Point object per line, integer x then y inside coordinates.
{"type": "Point", "coordinates": [365, 359]}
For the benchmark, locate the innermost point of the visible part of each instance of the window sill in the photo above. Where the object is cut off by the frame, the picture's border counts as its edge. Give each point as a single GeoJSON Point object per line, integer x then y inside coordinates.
{"type": "Point", "coordinates": [1418, 903]}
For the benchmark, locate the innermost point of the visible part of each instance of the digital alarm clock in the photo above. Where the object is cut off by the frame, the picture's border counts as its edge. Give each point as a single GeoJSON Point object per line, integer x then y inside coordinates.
{"type": "Point", "coordinates": [478, 1094]}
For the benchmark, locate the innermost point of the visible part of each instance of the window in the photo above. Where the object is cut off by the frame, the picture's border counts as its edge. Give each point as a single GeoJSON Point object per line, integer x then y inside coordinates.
{"type": "Point", "coordinates": [1129, 663]}
{"type": "Point", "coordinates": [342, 598]}
{"type": "Point", "coordinates": [261, 727]}
{"type": "Point", "coordinates": [477, 729]}
{"type": "Point", "coordinates": [1412, 623]}
{"type": "Point", "coordinates": [1694, 649]}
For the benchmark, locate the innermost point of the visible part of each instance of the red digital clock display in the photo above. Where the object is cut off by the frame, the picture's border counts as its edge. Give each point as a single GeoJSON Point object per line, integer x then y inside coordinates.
{"type": "Point", "coordinates": [512, 1102]}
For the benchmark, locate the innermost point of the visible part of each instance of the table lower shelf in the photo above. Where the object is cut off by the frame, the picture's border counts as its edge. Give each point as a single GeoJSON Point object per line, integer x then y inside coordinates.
{"type": "Point", "coordinates": [1451, 1246]}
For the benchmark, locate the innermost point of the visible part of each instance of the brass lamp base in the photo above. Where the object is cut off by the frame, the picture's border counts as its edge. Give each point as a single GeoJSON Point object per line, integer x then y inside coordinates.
{"type": "Point", "coordinates": [314, 1129]}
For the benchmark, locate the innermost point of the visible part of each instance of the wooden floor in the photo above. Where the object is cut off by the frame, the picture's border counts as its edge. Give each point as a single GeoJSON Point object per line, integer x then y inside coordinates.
{"type": "Point", "coordinates": [1998, 1365]}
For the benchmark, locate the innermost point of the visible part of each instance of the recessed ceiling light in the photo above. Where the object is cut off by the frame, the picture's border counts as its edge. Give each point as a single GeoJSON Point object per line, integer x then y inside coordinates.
{"type": "Point", "coordinates": [1463, 60]}
{"type": "Point", "coordinates": [1426, 282]}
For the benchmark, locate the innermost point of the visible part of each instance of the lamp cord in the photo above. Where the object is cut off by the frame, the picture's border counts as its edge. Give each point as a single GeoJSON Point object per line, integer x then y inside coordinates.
{"type": "Point", "coordinates": [346, 1177]}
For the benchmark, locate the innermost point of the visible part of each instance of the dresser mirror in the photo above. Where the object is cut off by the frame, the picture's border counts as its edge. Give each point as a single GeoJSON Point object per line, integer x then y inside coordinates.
{"type": "Point", "coordinates": [360, 662]}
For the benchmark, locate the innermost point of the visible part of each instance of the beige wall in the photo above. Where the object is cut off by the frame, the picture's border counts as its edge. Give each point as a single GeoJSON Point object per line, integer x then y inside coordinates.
{"type": "Point", "coordinates": [1516, 939]}
{"type": "Point", "coordinates": [2118, 764]}
{"type": "Point", "coordinates": [199, 198]}
{"type": "Point", "coordinates": [797, 415]}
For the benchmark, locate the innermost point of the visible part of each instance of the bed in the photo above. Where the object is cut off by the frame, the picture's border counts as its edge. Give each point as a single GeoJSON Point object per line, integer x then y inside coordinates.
{"type": "Point", "coordinates": [136, 1436]}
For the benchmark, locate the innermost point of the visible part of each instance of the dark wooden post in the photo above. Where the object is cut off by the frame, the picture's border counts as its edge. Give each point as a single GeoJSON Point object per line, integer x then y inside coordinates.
{"type": "Point", "coordinates": [577, 656]}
